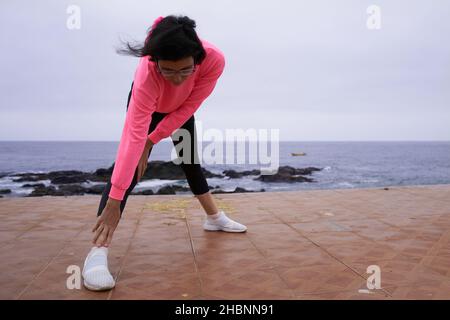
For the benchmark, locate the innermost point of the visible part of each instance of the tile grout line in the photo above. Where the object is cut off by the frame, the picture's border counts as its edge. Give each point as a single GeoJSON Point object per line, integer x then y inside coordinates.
{"type": "Point", "coordinates": [331, 255]}
{"type": "Point", "coordinates": [276, 270]}
{"type": "Point", "coordinates": [397, 228]}
{"type": "Point", "coordinates": [110, 293]}
{"type": "Point", "coordinates": [273, 267]}
{"type": "Point", "coordinates": [292, 295]}
{"type": "Point", "coordinates": [278, 217]}
{"type": "Point", "coordinates": [49, 262]}
{"type": "Point", "coordinates": [403, 191]}
{"type": "Point", "coordinates": [323, 249]}
{"type": "Point", "coordinates": [46, 218]}
{"type": "Point", "coordinates": [193, 253]}
{"type": "Point", "coordinates": [401, 228]}
{"type": "Point", "coordinates": [424, 197]}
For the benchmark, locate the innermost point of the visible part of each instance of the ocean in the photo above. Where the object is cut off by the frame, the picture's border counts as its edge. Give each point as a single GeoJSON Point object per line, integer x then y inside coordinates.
{"type": "Point", "coordinates": [344, 164]}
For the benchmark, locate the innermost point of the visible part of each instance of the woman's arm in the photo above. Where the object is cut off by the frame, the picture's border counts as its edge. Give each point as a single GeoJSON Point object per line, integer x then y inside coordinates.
{"type": "Point", "coordinates": [135, 131]}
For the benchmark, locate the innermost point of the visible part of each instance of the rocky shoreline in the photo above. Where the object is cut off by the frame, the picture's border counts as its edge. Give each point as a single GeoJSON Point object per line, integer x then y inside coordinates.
{"type": "Point", "coordinates": [68, 182]}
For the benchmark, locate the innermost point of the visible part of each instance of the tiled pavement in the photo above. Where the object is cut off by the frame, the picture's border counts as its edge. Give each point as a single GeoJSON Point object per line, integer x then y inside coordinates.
{"type": "Point", "coordinates": [299, 245]}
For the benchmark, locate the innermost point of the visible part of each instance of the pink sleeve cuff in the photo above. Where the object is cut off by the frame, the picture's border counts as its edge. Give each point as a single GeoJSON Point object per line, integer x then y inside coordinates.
{"type": "Point", "coordinates": [155, 136]}
{"type": "Point", "coordinates": [117, 193]}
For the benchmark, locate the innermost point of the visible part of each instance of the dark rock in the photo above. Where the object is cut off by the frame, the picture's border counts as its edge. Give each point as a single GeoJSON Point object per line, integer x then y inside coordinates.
{"type": "Point", "coordinates": [155, 170]}
{"type": "Point", "coordinates": [64, 177]}
{"type": "Point", "coordinates": [4, 174]}
{"type": "Point", "coordinates": [72, 189]}
{"type": "Point", "coordinates": [146, 192]}
{"type": "Point", "coordinates": [29, 185]}
{"type": "Point", "coordinates": [102, 175]}
{"type": "Point", "coordinates": [104, 172]}
{"type": "Point", "coordinates": [30, 177]}
{"type": "Point", "coordinates": [181, 188]}
{"type": "Point", "coordinates": [305, 171]}
{"type": "Point", "coordinates": [70, 176]}
{"type": "Point", "coordinates": [237, 190]}
{"type": "Point", "coordinates": [166, 190]}
{"type": "Point", "coordinates": [220, 191]}
{"type": "Point", "coordinates": [56, 177]}
{"type": "Point", "coordinates": [289, 174]}
{"type": "Point", "coordinates": [170, 171]}
{"type": "Point", "coordinates": [54, 174]}
{"type": "Point", "coordinates": [235, 174]}
{"type": "Point", "coordinates": [209, 174]}
{"type": "Point", "coordinates": [283, 178]}
{"type": "Point", "coordinates": [96, 189]}
{"type": "Point", "coordinates": [163, 170]}
{"type": "Point", "coordinates": [45, 191]}
{"type": "Point", "coordinates": [5, 191]}
{"type": "Point", "coordinates": [284, 174]}
{"type": "Point", "coordinates": [68, 179]}
{"type": "Point", "coordinates": [63, 190]}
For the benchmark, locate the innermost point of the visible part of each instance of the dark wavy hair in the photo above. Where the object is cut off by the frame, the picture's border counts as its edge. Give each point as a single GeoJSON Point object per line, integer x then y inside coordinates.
{"type": "Point", "coordinates": [173, 38]}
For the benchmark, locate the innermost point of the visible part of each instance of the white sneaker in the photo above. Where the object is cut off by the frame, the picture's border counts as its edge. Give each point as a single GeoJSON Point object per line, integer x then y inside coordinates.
{"type": "Point", "coordinates": [95, 270]}
{"type": "Point", "coordinates": [223, 223]}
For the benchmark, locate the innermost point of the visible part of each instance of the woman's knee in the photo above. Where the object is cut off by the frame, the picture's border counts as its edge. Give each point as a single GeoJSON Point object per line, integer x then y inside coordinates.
{"type": "Point", "coordinates": [195, 177]}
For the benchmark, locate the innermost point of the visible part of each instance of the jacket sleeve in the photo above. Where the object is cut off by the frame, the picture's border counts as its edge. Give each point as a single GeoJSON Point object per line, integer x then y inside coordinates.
{"type": "Point", "coordinates": [135, 131]}
{"type": "Point", "coordinates": [202, 89]}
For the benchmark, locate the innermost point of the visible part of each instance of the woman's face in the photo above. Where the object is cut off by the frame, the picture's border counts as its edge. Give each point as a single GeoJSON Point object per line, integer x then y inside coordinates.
{"type": "Point", "coordinates": [176, 71]}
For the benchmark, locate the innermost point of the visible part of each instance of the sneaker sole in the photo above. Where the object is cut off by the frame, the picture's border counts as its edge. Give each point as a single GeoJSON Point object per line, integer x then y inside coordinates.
{"type": "Point", "coordinates": [96, 289]}
{"type": "Point", "coordinates": [208, 228]}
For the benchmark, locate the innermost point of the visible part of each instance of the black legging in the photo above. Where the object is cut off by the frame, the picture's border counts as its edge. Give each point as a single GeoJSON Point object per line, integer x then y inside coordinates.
{"type": "Point", "coordinates": [192, 170]}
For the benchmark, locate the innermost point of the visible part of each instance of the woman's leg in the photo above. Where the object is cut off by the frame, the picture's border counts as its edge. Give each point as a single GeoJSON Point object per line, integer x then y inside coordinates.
{"type": "Point", "coordinates": [216, 220]}
{"type": "Point", "coordinates": [207, 202]}
{"type": "Point", "coordinates": [194, 172]}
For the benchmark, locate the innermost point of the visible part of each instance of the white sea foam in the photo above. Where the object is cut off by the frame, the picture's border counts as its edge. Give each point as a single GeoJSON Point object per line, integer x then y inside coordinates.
{"type": "Point", "coordinates": [345, 184]}
{"type": "Point", "coordinates": [154, 183]}
{"type": "Point", "coordinates": [8, 183]}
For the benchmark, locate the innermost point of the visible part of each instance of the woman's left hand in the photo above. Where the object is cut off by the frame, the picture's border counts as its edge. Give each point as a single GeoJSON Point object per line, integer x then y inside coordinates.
{"type": "Point", "coordinates": [142, 165]}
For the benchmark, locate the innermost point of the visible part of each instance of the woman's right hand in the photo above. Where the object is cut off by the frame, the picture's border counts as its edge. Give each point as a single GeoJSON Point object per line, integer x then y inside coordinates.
{"type": "Point", "coordinates": [107, 223]}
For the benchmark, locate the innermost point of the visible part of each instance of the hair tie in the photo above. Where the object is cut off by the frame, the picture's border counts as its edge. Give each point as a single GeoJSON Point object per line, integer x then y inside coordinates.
{"type": "Point", "coordinates": [155, 23]}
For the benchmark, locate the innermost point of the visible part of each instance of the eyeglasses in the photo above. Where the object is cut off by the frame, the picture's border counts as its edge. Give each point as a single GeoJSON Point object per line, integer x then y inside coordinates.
{"type": "Point", "coordinates": [184, 73]}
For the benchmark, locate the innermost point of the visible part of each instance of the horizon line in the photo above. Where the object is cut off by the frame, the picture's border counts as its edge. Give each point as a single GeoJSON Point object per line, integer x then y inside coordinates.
{"type": "Point", "coordinates": [117, 141]}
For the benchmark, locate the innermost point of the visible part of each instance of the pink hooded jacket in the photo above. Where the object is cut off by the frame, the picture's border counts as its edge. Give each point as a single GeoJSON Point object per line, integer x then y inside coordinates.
{"type": "Point", "coordinates": [152, 92]}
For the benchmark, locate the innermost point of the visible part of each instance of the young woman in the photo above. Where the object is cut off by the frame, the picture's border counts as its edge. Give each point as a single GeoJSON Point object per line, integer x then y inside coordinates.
{"type": "Point", "coordinates": [177, 71]}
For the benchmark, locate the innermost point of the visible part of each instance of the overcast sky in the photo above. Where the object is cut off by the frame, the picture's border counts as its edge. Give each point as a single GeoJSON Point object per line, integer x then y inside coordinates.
{"type": "Point", "coordinates": [312, 69]}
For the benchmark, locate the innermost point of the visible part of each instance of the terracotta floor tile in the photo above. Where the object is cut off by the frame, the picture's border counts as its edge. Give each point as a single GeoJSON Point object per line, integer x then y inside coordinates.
{"type": "Point", "coordinates": [211, 244]}
{"type": "Point", "coordinates": [178, 262]}
{"type": "Point", "coordinates": [439, 291]}
{"type": "Point", "coordinates": [263, 281]}
{"type": "Point", "coordinates": [305, 255]}
{"type": "Point", "coordinates": [157, 285]}
{"type": "Point", "coordinates": [211, 260]}
{"type": "Point", "coordinates": [320, 278]}
{"type": "Point", "coordinates": [346, 295]}
{"type": "Point", "coordinates": [309, 244]}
